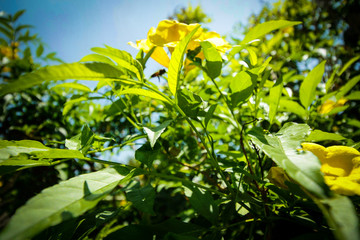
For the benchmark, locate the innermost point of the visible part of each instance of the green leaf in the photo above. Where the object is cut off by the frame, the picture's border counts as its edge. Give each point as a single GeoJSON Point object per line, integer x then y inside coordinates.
{"type": "Point", "coordinates": [116, 107]}
{"type": "Point", "coordinates": [203, 203]}
{"type": "Point", "coordinates": [355, 95]}
{"type": "Point", "coordinates": [242, 86]}
{"type": "Point", "coordinates": [189, 102]}
{"type": "Point", "coordinates": [274, 98]}
{"type": "Point", "coordinates": [81, 71]}
{"type": "Point", "coordinates": [143, 92]}
{"type": "Point", "coordinates": [77, 86]}
{"type": "Point", "coordinates": [81, 226]}
{"type": "Point", "coordinates": [174, 236]}
{"type": "Point", "coordinates": [39, 50]}
{"type": "Point", "coordinates": [330, 80]}
{"type": "Point", "coordinates": [209, 114]}
{"type": "Point", "coordinates": [63, 201]}
{"type": "Point", "coordinates": [58, 153]}
{"type": "Point", "coordinates": [142, 198]}
{"type": "Point", "coordinates": [14, 148]}
{"type": "Point", "coordinates": [17, 15]}
{"type": "Point", "coordinates": [146, 232]}
{"type": "Point", "coordinates": [264, 28]}
{"type": "Point", "coordinates": [258, 70]}
{"type": "Point", "coordinates": [252, 55]}
{"type": "Point", "coordinates": [6, 32]}
{"type": "Point", "coordinates": [12, 153]}
{"type": "Point", "coordinates": [6, 23]}
{"type": "Point", "coordinates": [147, 154]}
{"type": "Point", "coordinates": [318, 136]}
{"type": "Point", "coordinates": [82, 141]}
{"type": "Point", "coordinates": [123, 59]}
{"type": "Point", "coordinates": [140, 57]}
{"type": "Point", "coordinates": [308, 86]}
{"type": "Point", "coordinates": [23, 163]}
{"type": "Point", "coordinates": [70, 103]}
{"type": "Point", "coordinates": [353, 122]}
{"type": "Point", "coordinates": [50, 55]}
{"type": "Point", "coordinates": [154, 133]}
{"type": "Point", "coordinates": [337, 110]}
{"type": "Point", "coordinates": [176, 61]}
{"type": "Point", "coordinates": [348, 64]}
{"type": "Point", "coordinates": [147, 56]}
{"type": "Point", "coordinates": [283, 148]}
{"type": "Point", "coordinates": [21, 27]}
{"type": "Point", "coordinates": [286, 105]}
{"type": "Point", "coordinates": [347, 87]}
{"type": "Point", "coordinates": [213, 59]}
{"type": "Point", "coordinates": [97, 58]}
{"type": "Point", "coordinates": [341, 216]}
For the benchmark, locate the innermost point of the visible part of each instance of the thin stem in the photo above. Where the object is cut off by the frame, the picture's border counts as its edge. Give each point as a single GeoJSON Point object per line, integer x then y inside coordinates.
{"type": "Point", "coordinates": [240, 128]}
{"type": "Point", "coordinates": [252, 172]}
{"type": "Point", "coordinates": [185, 181]}
{"type": "Point", "coordinates": [212, 157]}
{"type": "Point", "coordinates": [120, 145]}
{"type": "Point", "coordinates": [91, 159]}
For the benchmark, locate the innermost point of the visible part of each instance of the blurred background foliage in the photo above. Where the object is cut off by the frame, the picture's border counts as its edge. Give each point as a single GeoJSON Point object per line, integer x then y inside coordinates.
{"type": "Point", "coordinates": [36, 114]}
{"type": "Point", "coordinates": [330, 31]}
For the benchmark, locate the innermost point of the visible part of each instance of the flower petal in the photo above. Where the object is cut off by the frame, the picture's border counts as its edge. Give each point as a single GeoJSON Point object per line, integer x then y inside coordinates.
{"type": "Point", "coordinates": [277, 176]}
{"type": "Point", "coordinates": [159, 54]}
{"type": "Point", "coordinates": [161, 57]}
{"type": "Point", "coordinates": [169, 32]}
{"type": "Point", "coordinates": [341, 157]}
{"type": "Point", "coordinates": [316, 149]}
{"type": "Point", "coordinates": [216, 40]}
{"type": "Point", "coordinates": [329, 105]}
{"type": "Point", "coordinates": [343, 185]}
{"type": "Point", "coordinates": [341, 166]}
{"type": "Point", "coordinates": [143, 44]}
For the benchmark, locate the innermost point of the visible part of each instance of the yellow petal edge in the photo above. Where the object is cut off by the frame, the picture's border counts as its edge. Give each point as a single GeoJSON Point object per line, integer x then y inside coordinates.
{"type": "Point", "coordinates": [340, 165]}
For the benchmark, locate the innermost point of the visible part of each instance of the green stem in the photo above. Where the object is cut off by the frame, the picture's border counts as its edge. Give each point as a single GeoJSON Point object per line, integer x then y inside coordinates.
{"type": "Point", "coordinates": [185, 181]}
{"type": "Point", "coordinates": [252, 172]}
{"type": "Point", "coordinates": [120, 145]}
{"type": "Point", "coordinates": [91, 159]}
{"type": "Point", "coordinates": [212, 157]}
{"type": "Point", "coordinates": [126, 116]}
{"type": "Point", "coordinates": [239, 128]}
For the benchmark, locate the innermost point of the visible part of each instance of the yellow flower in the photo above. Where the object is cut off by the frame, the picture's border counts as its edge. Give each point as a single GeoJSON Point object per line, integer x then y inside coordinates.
{"type": "Point", "coordinates": [158, 55]}
{"type": "Point", "coordinates": [170, 32]}
{"type": "Point", "coordinates": [340, 165]}
{"type": "Point", "coordinates": [216, 40]}
{"type": "Point", "coordinates": [329, 105]}
{"type": "Point", "coordinates": [5, 69]}
{"type": "Point", "coordinates": [9, 52]}
{"type": "Point", "coordinates": [277, 176]}
{"type": "Point", "coordinates": [6, 51]}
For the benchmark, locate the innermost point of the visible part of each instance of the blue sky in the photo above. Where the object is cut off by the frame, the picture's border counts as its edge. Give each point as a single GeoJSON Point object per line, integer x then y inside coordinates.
{"type": "Point", "coordinates": [72, 27]}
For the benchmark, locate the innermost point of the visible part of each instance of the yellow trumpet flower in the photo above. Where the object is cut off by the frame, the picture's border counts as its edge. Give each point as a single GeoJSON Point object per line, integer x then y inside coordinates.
{"type": "Point", "coordinates": [329, 105]}
{"type": "Point", "coordinates": [159, 54]}
{"type": "Point", "coordinates": [278, 177]}
{"type": "Point", "coordinates": [169, 33]}
{"type": "Point", "coordinates": [340, 165]}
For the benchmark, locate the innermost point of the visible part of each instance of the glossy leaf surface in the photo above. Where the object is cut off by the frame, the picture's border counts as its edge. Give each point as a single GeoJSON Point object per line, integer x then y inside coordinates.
{"type": "Point", "coordinates": [63, 201]}
{"type": "Point", "coordinates": [176, 61]}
